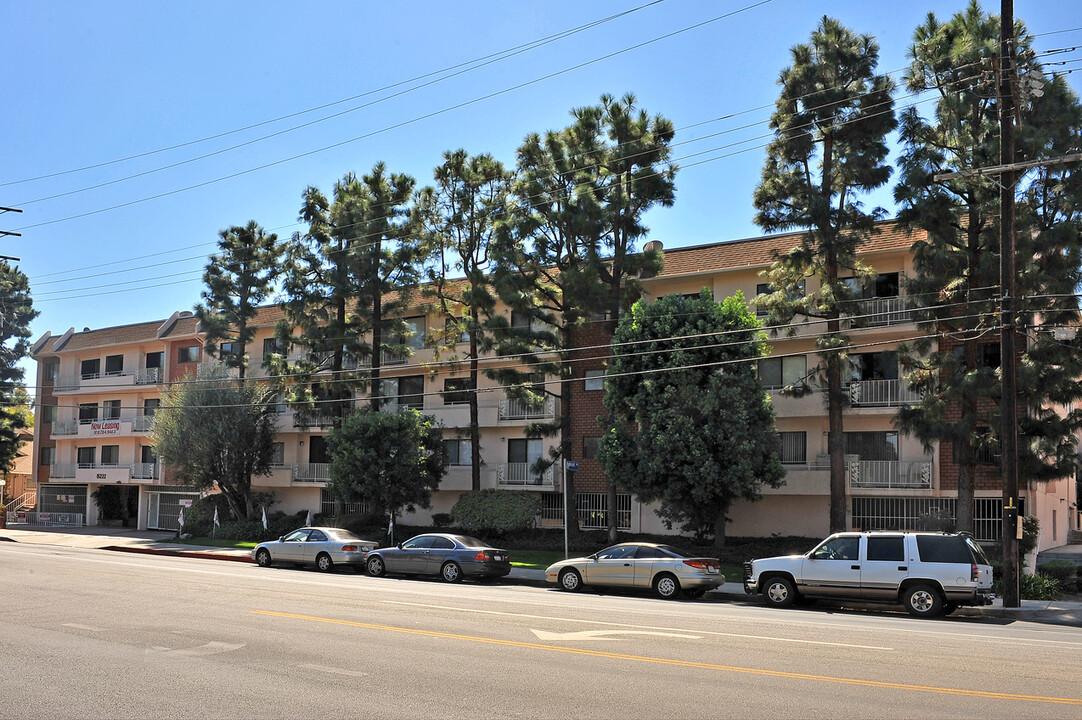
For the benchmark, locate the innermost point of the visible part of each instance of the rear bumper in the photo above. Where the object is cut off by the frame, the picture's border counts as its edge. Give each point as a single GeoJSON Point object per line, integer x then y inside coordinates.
{"type": "Point", "coordinates": [701, 582]}
{"type": "Point", "coordinates": [492, 569]}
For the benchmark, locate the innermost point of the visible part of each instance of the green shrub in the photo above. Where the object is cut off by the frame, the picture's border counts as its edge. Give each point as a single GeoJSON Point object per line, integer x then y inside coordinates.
{"type": "Point", "coordinates": [1038, 587]}
{"type": "Point", "coordinates": [442, 520]}
{"type": "Point", "coordinates": [199, 518]}
{"type": "Point", "coordinates": [1063, 571]}
{"type": "Point", "coordinates": [496, 512]}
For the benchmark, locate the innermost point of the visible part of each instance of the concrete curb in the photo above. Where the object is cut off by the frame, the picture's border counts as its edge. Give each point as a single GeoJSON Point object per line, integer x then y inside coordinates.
{"type": "Point", "coordinates": [201, 554]}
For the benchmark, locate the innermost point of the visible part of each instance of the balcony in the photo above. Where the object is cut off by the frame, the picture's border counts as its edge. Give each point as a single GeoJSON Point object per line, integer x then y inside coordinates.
{"type": "Point", "coordinates": [62, 471]}
{"type": "Point", "coordinates": [111, 380]}
{"type": "Point", "coordinates": [519, 475]}
{"type": "Point", "coordinates": [312, 473]}
{"type": "Point", "coordinates": [511, 410]}
{"type": "Point", "coordinates": [890, 474]}
{"type": "Point", "coordinates": [877, 312]}
{"type": "Point", "coordinates": [106, 474]}
{"type": "Point", "coordinates": [96, 428]}
{"type": "Point", "coordinates": [882, 393]}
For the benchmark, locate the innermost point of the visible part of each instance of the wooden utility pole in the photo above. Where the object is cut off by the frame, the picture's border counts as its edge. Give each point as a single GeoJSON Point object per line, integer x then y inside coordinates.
{"type": "Point", "coordinates": [1007, 275]}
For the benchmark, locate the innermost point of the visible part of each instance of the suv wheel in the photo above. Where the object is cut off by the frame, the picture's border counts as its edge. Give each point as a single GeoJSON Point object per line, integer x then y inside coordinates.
{"type": "Point", "coordinates": [779, 592]}
{"type": "Point", "coordinates": [923, 601]}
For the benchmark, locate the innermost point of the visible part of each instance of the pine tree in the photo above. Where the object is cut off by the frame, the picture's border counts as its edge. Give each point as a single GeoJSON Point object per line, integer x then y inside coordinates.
{"type": "Point", "coordinates": [955, 286]}
{"type": "Point", "coordinates": [461, 216]}
{"type": "Point", "coordinates": [16, 313]}
{"type": "Point", "coordinates": [238, 279]}
{"type": "Point", "coordinates": [830, 126]}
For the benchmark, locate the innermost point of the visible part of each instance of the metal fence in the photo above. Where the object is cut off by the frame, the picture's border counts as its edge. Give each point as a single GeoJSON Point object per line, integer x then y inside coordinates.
{"type": "Point", "coordinates": [45, 519]}
{"type": "Point", "coordinates": [592, 509]}
{"type": "Point", "coordinates": [877, 513]}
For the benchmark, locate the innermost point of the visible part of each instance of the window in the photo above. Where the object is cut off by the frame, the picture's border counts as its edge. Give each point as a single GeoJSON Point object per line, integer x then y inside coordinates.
{"type": "Point", "coordinates": [151, 405]}
{"type": "Point", "coordinates": [987, 355]}
{"type": "Point", "coordinates": [111, 410]}
{"type": "Point", "coordinates": [520, 321]}
{"type": "Point", "coordinates": [794, 448]}
{"type": "Point", "coordinates": [228, 349]}
{"type": "Point", "coordinates": [454, 329]}
{"type": "Point", "coordinates": [943, 549]}
{"type": "Point", "coordinates": [418, 543]}
{"type": "Point", "coordinates": [520, 450]}
{"type": "Point", "coordinates": [595, 379]}
{"type": "Point", "coordinates": [458, 451]}
{"type": "Point", "coordinates": [85, 456]}
{"type": "Point", "coordinates": [155, 359]}
{"type": "Point", "coordinates": [589, 447]}
{"type": "Point", "coordinates": [872, 445]}
{"type": "Point", "coordinates": [114, 364]}
{"type": "Point", "coordinates": [48, 413]}
{"type": "Point", "coordinates": [618, 552]}
{"type": "Point", "coordinates": [457, 391]}
{"type": "Point", "coordinates": [110, 455]}
{"type": "Point", "coordinates": [782, 371]}
{"type": "Point", "coordinates": [271, 346]}
{"type": "Point", "coordinates": [886, 548]}
{"type": "Point", "coordinates": [278, 457]}
{"type": "Point", "coordinates": [413, 333]}
{"type": "Point", "coordinates": [408, 391]}
{"type": "Point", "coordinates": [51, 371]}
{"type": "Point", "coordinates": [839, 548]}
{"type": "Point", "coordinates": [88, 413]}
{"type": "Point", "coordinates": [188, 354]}
{"type": "Point", "coordinates": [768, 289]}
{"type": "Point", "coordinates": [442, 543]}
{"type": "Point", "coordinates": [986, 451]}
{"type": "Point", "coordinates": [317, 536]}
{"type": "Point", "coordinates": [146, 454]}
{"type": "Point", "coordinates": [90, 369]}
{"type": "Point", "coordinates": [47, 456]}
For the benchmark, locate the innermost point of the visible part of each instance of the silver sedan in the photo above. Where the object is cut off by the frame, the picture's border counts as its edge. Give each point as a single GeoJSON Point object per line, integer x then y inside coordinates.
{"type": "Point", "coordinates": [323, 547]}
{"type": "Point", "coordinates": [664, 568]}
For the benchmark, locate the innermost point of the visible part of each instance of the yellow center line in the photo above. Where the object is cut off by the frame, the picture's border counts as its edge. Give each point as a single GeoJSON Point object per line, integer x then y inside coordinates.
{"type": "Point", "coordinates": [682, 663]}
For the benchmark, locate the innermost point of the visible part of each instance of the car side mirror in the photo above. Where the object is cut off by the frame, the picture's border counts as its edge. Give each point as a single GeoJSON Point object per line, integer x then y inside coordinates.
{"type": "Point", "coordinates": [281, 538]}
{"type": "Point", "coordinates": [399, 546]}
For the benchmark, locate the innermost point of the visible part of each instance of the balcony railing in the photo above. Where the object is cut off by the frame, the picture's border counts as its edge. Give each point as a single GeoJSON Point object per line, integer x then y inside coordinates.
{"type": "Point", "coordinates": [520, 409]}
{"type": "Point", "coordinates": [891, 474]}
{"type": "Point", "coordinates": [882, 393]}
{"type": "Point", "coordinates": [142, 423]}
{"type": "Point", "coordinates": [519, 475]}
{"type": "Point", "coordinates": [878, 312]}
{"type": "Point", "coordinates": [141, 376]}
{"type": "Point", "coordinates": [69, 426]}
{"type": "Point", "coordinates": [144, 471]}
{"type": "Point", "coordinates": [62, 470]}
{"type": "Point", "coordinates": [312, 472]}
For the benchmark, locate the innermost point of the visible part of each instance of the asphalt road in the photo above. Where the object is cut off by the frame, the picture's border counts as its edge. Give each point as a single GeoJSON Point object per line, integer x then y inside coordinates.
{"type": "Point", "coordinates": [92, 634]}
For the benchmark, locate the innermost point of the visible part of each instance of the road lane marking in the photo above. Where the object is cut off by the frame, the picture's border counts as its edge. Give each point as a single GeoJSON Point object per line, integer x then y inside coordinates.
{"type": "Point", "coordinates": [334, 670]}
{"type": "Point", "coordinates": [643, 627]}
{"type": "Point", "coordinates": [82, 627]}
{"type": "Point", "coordinates": [683, 663]}
{"type": "Point", "coordinates": [606, 634]}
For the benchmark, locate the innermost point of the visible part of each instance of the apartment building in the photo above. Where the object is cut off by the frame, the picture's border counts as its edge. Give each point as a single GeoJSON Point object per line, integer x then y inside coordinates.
{"type": "Point", "coordinates": [99, 390]}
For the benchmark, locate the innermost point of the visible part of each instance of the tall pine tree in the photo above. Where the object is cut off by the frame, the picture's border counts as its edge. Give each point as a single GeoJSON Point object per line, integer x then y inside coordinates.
{"type": "Point", "coordinates": [16, 313]}
{"type": "Point", "coordinates": [830, 126]}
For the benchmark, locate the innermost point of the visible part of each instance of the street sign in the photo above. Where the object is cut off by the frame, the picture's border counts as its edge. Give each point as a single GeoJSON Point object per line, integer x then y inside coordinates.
{"type": "Point", "coordinates": [571, 465]}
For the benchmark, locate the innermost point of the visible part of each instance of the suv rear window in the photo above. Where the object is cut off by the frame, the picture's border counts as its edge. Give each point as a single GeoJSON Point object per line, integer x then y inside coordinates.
{"type": "Point", "coordinates": [889, 548]}
{"type": "Point", "coordinates": [943, 549]}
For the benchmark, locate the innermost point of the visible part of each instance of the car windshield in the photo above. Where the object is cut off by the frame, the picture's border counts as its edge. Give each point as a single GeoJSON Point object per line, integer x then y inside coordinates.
{"type": "Point", "coordinates": [467, 541]}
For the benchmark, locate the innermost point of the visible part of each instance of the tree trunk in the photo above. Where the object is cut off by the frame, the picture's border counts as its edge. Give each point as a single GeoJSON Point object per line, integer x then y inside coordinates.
{"type": "Point", "coordinates": [836, 443]}
{"type": "Point", "coordinates": [720, 529]}
{"type": "Point", "coordinates": [475, 423]}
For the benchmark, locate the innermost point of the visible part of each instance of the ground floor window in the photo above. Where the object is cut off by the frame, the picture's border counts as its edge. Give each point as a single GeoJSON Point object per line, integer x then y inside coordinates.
{"type": "Point", "coordinates": [592, 509]}
{"type": "Point", "coordinates": [326, 505]}
{"type": "Point", "coordinates": [915, 513]}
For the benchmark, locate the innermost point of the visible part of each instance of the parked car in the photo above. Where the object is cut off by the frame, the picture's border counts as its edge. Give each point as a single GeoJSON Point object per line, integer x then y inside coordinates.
{"type": "Point", "coordinates": [664, 568]}
{"type": "Point", "coordinates": [323, 547]}
{"type": "Point", "coordinates": [928, 573]}
{"type": "Point", "coordinates": [450, 556]}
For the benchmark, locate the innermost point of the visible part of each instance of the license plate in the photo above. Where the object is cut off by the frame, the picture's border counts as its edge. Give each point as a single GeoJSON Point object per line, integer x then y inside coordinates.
{"type": "Point", "coordinates": [497, 558]}
{"type": "Point", "coordinates": [712, 569]}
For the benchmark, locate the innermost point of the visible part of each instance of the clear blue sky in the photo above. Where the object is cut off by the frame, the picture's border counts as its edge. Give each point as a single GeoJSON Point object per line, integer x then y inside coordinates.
{"type": "Point", "coordinates": [86, 83]}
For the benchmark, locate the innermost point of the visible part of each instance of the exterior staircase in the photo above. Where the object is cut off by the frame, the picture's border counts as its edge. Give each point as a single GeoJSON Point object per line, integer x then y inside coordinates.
{"type": "Point", "coordinates": [1074, 537]}
{"type": "Point", "coordinates": [26, 500]}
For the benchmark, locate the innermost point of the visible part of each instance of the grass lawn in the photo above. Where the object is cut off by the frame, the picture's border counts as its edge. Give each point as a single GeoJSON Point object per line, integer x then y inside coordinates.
{"type": "Point", "coordinates": [216, 542]}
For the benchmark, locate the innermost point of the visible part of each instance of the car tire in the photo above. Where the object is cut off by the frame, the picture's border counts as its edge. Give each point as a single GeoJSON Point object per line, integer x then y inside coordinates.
{"type": "Point", "coordinates": [324, 562]}
{"type": "Point", "coordinates": [263, 558]}
{"type": "Point", "coordinates": [923, 601]}
{"type": "Point", "coordinates": [779, 591]}
{"type": "Point", "coordinates": [570, 580]}
{"type": "Point", "coordinates": [666, 586]}
{"type": "Point", "coordinates": [376, 566]}
{"type": "Point", "coordinates": [451, 572]}
{"type": "Point", "coordinates": [694, 594]}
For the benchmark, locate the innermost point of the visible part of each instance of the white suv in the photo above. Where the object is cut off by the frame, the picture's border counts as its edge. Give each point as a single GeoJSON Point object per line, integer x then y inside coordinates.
{"type": "Point", "coordinates": [929, 573]}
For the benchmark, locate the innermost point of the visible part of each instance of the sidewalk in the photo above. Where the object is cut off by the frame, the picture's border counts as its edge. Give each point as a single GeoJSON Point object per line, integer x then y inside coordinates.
{"type": "Point", "coordinates": [160, 543]}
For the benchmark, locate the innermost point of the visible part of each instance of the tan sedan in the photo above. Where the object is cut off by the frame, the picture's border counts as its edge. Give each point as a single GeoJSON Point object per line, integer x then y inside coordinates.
{"type": "Point", "coordinates": [666, 569]}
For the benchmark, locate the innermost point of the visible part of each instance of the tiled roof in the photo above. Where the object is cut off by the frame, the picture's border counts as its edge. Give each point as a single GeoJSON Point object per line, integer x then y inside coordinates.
{"type": "Point", "coordinates": [123, 334]}
{"type": "Point", "coordinates": [758, 252]}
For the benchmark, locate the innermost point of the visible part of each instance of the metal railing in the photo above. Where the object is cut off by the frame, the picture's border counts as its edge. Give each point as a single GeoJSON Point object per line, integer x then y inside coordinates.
{"type": "Point", "coordinates": [891, 474]}
{"type": "Point", "coordinates": [148, 376]}
{"type": "Point", "coordinates": [520, 475]}
{"type": "Point", "coordinates": [882, 393]}
{"type": "Point", "coordinates": [27, 499]}
{"type": "Point", "coordinates": [141, 376]}
{"type": "Point", "coordinates": [142, 423]}
{"type": "Point", "coordinates": [62, 470]}
{"type": "Point", "coordinates": [144, 471]}
{"type": "Point", "coordinates": [312, 472]}
{"type": "Point", "coordinates": [44, 519]}
{"type": "Point", "coordinates": [519, 409]}
{"type": "Point", "coordinates": [591, 509]}
{"type": "Point", "coordinates": [68, 426]}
